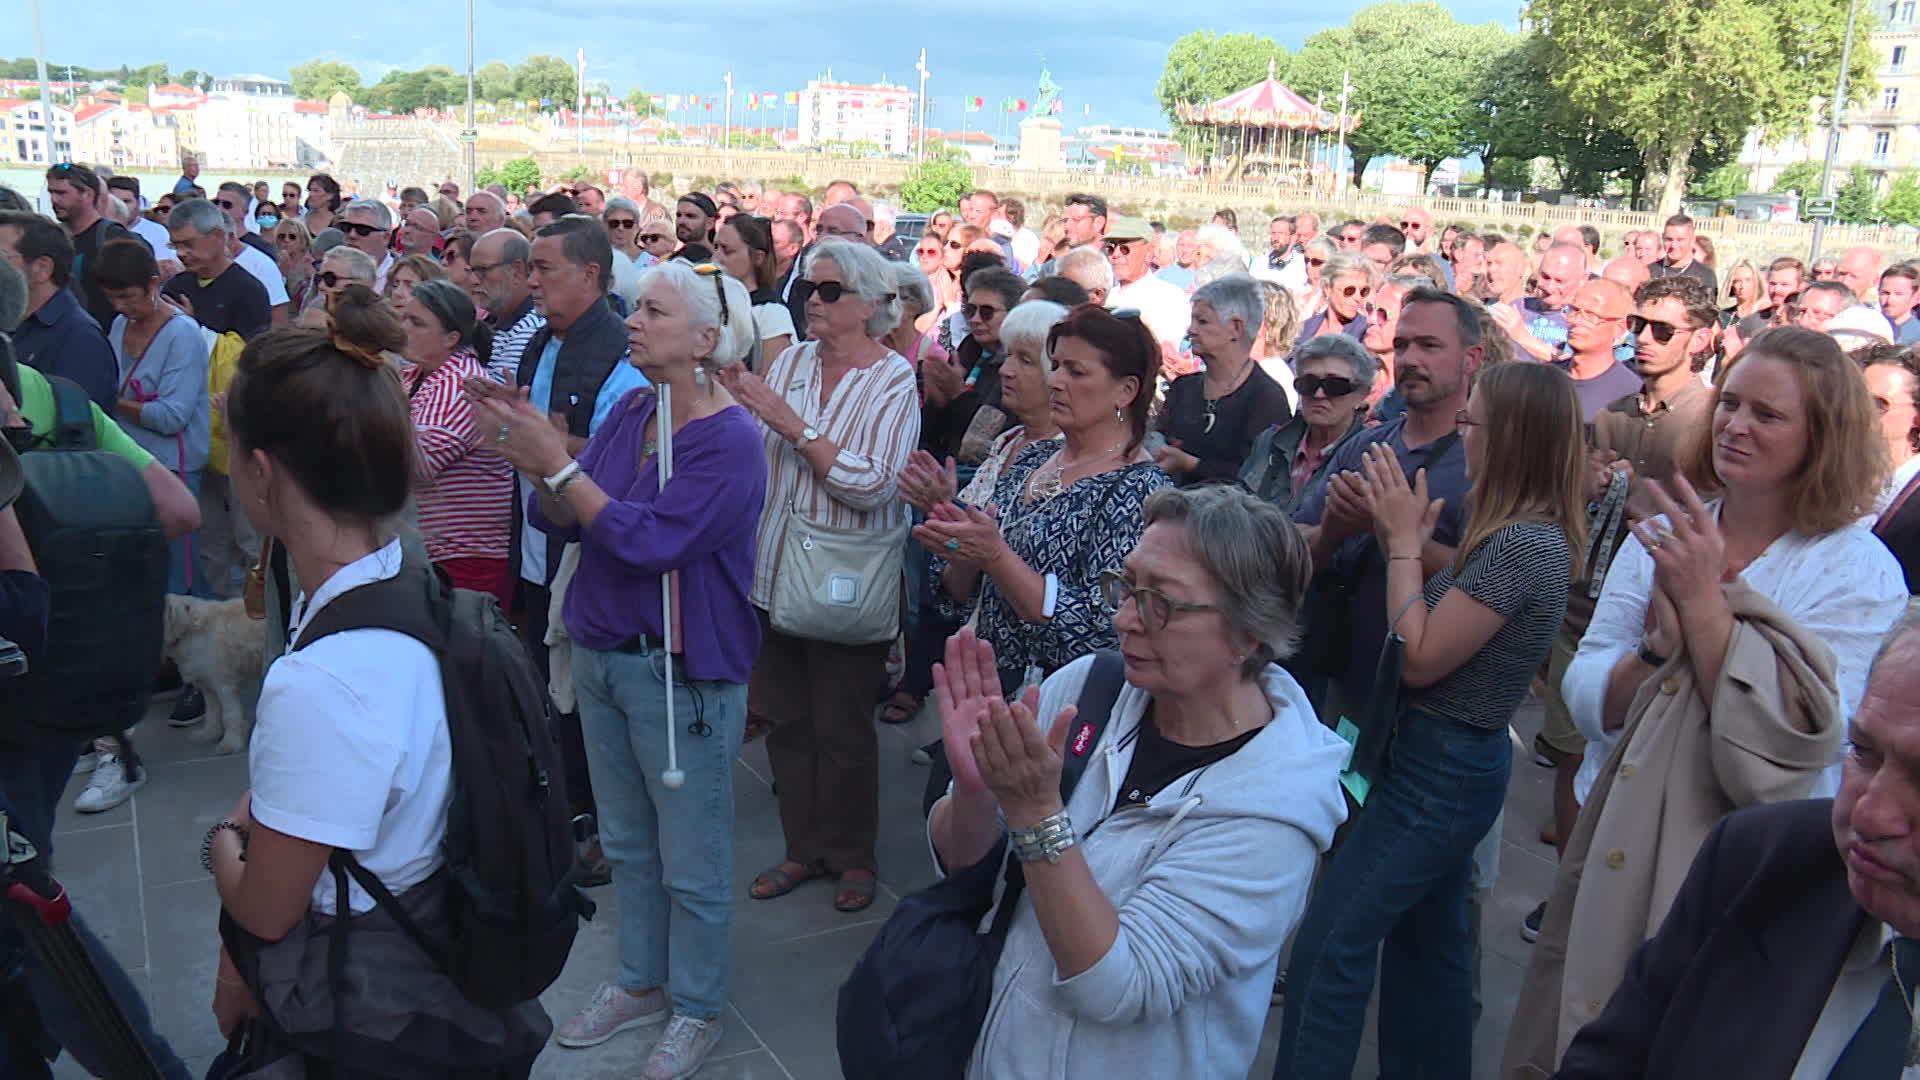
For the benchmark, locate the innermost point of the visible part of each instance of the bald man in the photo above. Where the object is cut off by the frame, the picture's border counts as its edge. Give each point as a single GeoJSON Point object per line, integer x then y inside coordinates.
{"type": "Point", "coordinates": [1860, 271]}
{"type": "Point", "coordinates": [1626, 270]}
{"type": "Point", "coordinates": [1597, 325]}
{"type": "Point", "coordinates": [420, 231]}
{"type": "Point", "coordinates": [1417, 224]}
{"type": "Point", "coordinates": [844, 221]}
{"type": "Point", "coordinates": [1538, 324]}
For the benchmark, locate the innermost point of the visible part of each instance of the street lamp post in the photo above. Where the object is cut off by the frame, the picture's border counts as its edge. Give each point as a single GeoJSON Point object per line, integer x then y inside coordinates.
{"type": "Point", "coordinates": [1835, 109]}
{"type": "Point", "coordinates": [472, 138]}
{"type": "Point", "coordinates": [920, 141]}
{"type": "Point", "coordinates": [726, 129]}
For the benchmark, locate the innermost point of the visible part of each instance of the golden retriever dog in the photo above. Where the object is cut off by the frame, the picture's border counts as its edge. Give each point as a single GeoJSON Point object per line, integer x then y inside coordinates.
{"type": "Point", "coordinates": [221, 651]}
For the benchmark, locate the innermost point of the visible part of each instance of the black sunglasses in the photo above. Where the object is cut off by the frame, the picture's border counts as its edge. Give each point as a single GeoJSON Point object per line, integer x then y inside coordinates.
{"type": "Point", "coordinates": [985, 312]}
{"type": "Point", "coordinates": [226, 204]}
{"type": "Point", "coordinates": [1662, 332]}
{"type": "Point", "coordinates": [357, 227]}
{"type": "Point", "coordinates": [1332, 385]}
{"type": "Point", "coordinates": [830, 292]}
{"type": "Point", "coordinates": [719, 290]}
{"type": "Point", "coordinates": [654, 238]}
{"type": "Point", "coordinates": [621, 223]}
{"type": "Point", "coordinates": [330, 279]}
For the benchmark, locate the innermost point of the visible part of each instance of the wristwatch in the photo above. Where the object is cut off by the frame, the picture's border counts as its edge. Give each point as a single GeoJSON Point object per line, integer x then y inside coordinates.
{"type": "Point", "coordinates": [807, 435]}
{"type": "Point", "coordinates": [560, 481]}
{"type": "Point", "coordinates": [1649, 657]}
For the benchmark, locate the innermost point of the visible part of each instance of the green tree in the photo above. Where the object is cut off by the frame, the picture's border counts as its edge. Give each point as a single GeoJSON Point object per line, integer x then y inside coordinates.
{"type": "Point", "coordinates": [1802, 177]}
{"type": "Point", "coordinates": [317, 80]}
{"type": "Point", "coordinates": [1416, 75]}
{"type": "Point", "coordinates": [516, 175]}
{"type": "Point", "coordinates": [1723, 182]}
{"type": "Point", "coordinates": [640, 103]}
{"type": "Point", "coordinates": [493, 81]}
{"type": "Point", "coordinates": [1668, 73]}
{"type": "Point", "coordinates": [1902, 203]}
{"type": "Point", "coordinates": [1203, 67]}
{"type": "Point", "coordinates": [433, 87]}
{"type": "Point", "coordinates": [935, 185]}
{"type": "Point", "coordinates": [546, 77]}
{"type": "Point", "coordinates": [1854, 202]}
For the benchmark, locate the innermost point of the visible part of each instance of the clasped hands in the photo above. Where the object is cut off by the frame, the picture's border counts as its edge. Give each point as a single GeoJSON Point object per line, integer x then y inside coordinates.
{"type": "Point", "coordinates": [992, 745]}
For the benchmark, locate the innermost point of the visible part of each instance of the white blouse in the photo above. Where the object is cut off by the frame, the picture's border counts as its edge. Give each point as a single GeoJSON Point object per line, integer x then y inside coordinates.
{"type": "Point", "coordinates": [1844, 588]}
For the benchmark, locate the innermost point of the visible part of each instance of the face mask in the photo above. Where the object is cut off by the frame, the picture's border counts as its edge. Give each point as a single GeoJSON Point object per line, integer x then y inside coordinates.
{"type": "Point", "coordinates": [267, 221]}
{"type": "Point", "coordinates": [1624, 350]}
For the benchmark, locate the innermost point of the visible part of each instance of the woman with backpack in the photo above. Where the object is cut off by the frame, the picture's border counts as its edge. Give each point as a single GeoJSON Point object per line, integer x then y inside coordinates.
{"type": "Point", "coordinates": [351, 750]}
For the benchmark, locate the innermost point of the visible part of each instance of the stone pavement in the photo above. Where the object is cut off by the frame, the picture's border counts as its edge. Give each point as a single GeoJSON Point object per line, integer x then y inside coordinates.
{"type": "Point", "coordinates": [134, 872]}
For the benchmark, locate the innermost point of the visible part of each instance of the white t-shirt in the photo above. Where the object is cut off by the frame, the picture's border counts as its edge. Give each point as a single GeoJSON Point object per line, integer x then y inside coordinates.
{"type": "Point", "coordinates": [1163, 306]}
{"type": "Point", "coordinates": [260, 266]}
{"type": "Point", "coordinates": [771, 320]}
{"type": "Point", "coordinates": [350, 747]}
{"type": "Point", "coordinates": [156, 236]}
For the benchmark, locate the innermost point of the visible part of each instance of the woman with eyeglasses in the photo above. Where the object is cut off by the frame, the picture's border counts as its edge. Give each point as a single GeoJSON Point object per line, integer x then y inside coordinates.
{"type": "Point", "coordinates": [462, 487]}
{"type": "Point", "coordinates": [293, 253]}
{"type": "Point", "coordinates": [630, 260]}
{"type": "Point", "coordinates": [656, 237]}
{"type": "Point", "coordinates": [1474, 634]}
{"type": "Point", "coordinates": [841, 415]}
{"type": "Point", "coordinates": [1728, 648]}
{"type": "Point", "coordinates": [1211, 417]}
{"type": "Point", "coordinates": [1335, 375]}
{"type": "Point", "coordinates": [1028, 559]}
{"type": "Point", "coordinates": [407, 273]}
{"type": "Point", "coordinates": [671, 847]}
{"type": "Point", "coordinates": [962, 414]}
{"type": "Point", "coordinates": [743, 247]}
{"type": "Point", "coordinates": [1156, 899]}
{"type": "Point", "coordinates": [1347, 281]}
{"type": "Point", "coordinates": [339, 267]}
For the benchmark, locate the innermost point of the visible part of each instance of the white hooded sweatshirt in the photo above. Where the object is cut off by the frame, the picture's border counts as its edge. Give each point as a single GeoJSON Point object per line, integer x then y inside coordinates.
{"type": "Point", "coordinates": [1210, 877]}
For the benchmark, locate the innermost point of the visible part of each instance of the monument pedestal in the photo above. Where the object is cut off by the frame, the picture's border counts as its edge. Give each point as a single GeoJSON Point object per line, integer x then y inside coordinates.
{"type": "Point", "coordinates": [1040, 145]}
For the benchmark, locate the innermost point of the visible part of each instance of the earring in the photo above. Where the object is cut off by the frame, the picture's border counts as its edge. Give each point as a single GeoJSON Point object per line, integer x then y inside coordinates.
{"type": "Point", "coordinates": [1119, 414]}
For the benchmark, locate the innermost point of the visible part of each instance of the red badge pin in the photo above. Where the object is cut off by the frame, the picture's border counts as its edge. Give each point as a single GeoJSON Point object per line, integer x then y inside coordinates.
{"type": "Point", "coordinates": [1083, 740]}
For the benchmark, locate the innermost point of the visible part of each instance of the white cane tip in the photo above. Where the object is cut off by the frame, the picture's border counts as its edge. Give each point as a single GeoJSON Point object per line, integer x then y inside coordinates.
{"type": "Point", "coordinates": [673, 778]}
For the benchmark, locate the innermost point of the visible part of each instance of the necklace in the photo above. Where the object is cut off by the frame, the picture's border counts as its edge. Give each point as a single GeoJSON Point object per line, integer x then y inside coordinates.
{"type": "Point", "coordinates": [1913, 1024]}
{"type": "Point", "coordinates": [1210, 404]}
{"type": "Point", "coordinates": [1048, 480]}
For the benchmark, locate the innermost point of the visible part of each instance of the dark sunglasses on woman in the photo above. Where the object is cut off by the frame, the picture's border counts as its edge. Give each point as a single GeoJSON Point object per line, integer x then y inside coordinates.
{"type": "Point", "coordinates": [357, 227]}
{"type": "Point", "coordinates": [1332, 385]}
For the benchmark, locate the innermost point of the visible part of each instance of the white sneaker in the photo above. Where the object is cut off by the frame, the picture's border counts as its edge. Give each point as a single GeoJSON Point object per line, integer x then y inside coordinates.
{"type": "Point", "coordinates": [611, 1011]}
{"type": "Point", "coordinates": [683, 1049]}
{"type": "Point", "coordinates": [84, 764]}
{"type": "Point", "coordinates": [109, 786]}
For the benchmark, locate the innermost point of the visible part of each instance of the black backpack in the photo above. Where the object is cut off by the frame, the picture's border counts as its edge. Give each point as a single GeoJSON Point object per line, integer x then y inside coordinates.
{"type": "Point", "coordinates": [97, 542]}
{"type": "Point", "coordinates": [510, 858]}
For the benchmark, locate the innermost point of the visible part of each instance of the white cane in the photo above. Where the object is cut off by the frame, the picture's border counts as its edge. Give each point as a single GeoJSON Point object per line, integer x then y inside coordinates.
{"type": "Point", "coordinates": [663, 437]}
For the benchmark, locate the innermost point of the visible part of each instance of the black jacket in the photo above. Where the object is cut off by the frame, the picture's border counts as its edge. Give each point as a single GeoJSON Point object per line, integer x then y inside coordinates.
{"type": "Point", "coordinates": [1738, 974]}
{"type": "Point", "coordinates": [1268, 471]}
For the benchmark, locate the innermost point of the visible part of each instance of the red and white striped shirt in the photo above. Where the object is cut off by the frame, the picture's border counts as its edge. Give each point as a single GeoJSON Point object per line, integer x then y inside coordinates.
{"type": "Point", "coordinates": [463, 490]}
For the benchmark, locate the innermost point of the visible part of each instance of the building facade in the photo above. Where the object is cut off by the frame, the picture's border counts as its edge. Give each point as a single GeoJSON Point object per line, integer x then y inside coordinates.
{"type": "Point", "coordinates": [26, 138]}
{"type": "Point", "coordinates": [836, 113]}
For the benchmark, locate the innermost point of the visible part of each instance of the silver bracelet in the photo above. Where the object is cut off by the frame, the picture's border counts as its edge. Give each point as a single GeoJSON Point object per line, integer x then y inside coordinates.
{"type": "Point", "coordinates": [1048, 839]}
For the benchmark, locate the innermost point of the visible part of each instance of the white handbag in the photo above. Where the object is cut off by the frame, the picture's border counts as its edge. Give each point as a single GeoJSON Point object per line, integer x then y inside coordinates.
{"type": "Point", "coordinates": [838, 585]}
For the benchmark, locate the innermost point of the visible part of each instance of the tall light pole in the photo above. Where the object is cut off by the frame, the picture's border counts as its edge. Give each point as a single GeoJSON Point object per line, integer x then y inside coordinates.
{"type": "Point", "coordinates": [472, 136]}
{"type": "Point", "coordinates": [726, 129]}
{"type": "Point", "coordinates": [1834, 110]}
{"type": "Point", "coordinates": [920, 140]}
{"type": "Point", "coordinates": [46, 88]}
{"type": "Point", "coordinates": [1340, 155]}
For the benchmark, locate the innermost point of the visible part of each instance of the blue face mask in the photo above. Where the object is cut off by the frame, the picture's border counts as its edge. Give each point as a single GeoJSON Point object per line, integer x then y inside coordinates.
{"type": "Point", "coordinates": [1624, 350]}
{"type": "Point", "coordinates": [267, 221]}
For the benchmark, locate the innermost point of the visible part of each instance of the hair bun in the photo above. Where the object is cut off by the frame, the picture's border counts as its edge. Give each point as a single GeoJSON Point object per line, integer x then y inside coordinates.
{"type": "Point", "coordinates": [364, 327]}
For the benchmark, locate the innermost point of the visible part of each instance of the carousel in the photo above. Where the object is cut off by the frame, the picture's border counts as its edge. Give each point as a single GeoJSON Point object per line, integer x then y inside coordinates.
{"type": "Point", "coordinates": [1268, 132]}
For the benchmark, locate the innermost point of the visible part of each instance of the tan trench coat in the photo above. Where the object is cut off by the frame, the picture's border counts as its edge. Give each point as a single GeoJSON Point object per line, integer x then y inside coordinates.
{"type": "Point", "coordinates": [1679, 768]}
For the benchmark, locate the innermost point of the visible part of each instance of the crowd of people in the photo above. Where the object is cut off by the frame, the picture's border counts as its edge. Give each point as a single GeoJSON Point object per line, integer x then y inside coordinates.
{"type": "Point", "coordinates": [749, 466]}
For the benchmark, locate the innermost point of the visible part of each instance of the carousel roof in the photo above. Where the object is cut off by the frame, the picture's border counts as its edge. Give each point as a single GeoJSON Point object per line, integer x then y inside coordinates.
{"type": "Point", "coordinates": [1266, 104]}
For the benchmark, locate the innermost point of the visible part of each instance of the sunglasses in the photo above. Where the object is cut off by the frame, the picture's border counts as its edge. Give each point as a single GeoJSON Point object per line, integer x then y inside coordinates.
{"type": "Point", "coordinates": [955, 245]}
{"type": "Point", "coordinates": [1316, 262]}
{"type": "Point", "coordinates": [985, 312]}
{"type": "Point", "coordinates": [1364, 291]}
{"type": "Point", "coordinates": [709, 270]}
{"type": "Point", "coordinates": [1119, 247]}
{"type": "Point", "coordinates": [1333, 386]}
{"type": "Point", "coordinates": [621, 223]}
{"type": "Point", "coordinates": [357, 228]}
{"type": "Point", "coordinates": [830, 292]}
{"type": "Point", "coordinates": [934, 250]}
{"type": "Point", "coordinates": [226, 204]}
{"type": "Point", "coordinates": [1662, 331]}
{"type": "Point", "coordinates": [331, 280]}
{"type": "Point", "coordinates": [654, 238]}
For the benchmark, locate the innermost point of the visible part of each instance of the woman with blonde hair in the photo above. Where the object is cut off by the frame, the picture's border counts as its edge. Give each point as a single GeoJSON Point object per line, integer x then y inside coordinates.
{"type": "Point", "coordinates": [1746, 293]}
{"type": "Point", "coordinates": [1473, 634]}
{"type": "Point", "coordinates": [293, 253]}
{"type": "Point", "coordinates": [1752, 605]}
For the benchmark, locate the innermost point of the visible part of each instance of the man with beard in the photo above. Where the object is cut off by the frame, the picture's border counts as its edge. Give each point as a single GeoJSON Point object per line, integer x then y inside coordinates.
{"type": "Point", "coordinates": [1812, 907]}
{"type": "Point", "coordinates": [693, 226]}
{"type": "Point", "coordinates": [1383, 321]}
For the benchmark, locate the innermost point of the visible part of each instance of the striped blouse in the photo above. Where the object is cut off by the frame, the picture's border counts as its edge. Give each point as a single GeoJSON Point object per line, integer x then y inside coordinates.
{"type": "Point", "coordinates": [873, 417]}
{"type": "Point", "coordinates": [464, 491]}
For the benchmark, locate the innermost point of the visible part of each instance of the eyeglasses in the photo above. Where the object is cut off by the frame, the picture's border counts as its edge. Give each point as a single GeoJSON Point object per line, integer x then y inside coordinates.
{"type": "Point", "coordinates": [1662, 331]}
{"type": "Point", "coordinates": [830, 292]}
{"type": "Point", "coordinates": [483, 269]}
{"type": "Point", "coordinates": [955, 245]}
{"type": "Point", "coordinates": [709, 270]}
{"type": "Point", "coordinates": [985, 312]}
{"type": "Point", "coordinates": [934, 250]}
{"type": "Point", "coordinates": [226, 204]}
{"type": "Point", "coordinates": [1588, 315]}
{"type": "Point", "coordinates": [330, 279]}
{"type": "Point", "coordinates": [1119, 247]}
{"type": "Point", "coordinates": [1378, 316]}
{"type": "Point", "coordinates": [621, 223]}
{"type": "Point", "coordinates": [1405, 225]}
{"type": "Point", "coordinates": [1364, 291]}
{"type": "Point", "coordinates": [654, 238]}
{"type": "Point", "coordinates": [1156, 608]}
{"type": "Point", "coordinates": [1461, 422]}
{"type": "Point", "coordinates": [1334, 386]}
{"type": "Point", "coordinates": [1316, 262]}
{"type": "Point", "coordinates": [358, 228]}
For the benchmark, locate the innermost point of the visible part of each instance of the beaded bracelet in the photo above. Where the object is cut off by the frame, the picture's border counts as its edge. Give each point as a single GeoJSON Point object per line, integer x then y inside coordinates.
{"type": "Point", "coordinates": [206, 845]}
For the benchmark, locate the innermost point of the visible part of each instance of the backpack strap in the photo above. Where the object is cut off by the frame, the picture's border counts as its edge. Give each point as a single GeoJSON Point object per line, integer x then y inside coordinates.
{"type": "Point", "coordinates": [72, 416]}
{"type": "Point", "coordinates": [410, 603]}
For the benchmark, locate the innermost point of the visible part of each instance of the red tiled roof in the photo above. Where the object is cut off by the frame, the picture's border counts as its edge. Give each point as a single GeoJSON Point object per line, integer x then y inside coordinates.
{"type": "Point", "coordinates": [88, 112]}
{"type": "Point", "coordinates": [310, 107]}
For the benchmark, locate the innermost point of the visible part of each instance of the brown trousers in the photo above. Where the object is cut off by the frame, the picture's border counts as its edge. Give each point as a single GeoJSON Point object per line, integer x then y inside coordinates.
{"type": "Point", "coordinates": [820, 698]}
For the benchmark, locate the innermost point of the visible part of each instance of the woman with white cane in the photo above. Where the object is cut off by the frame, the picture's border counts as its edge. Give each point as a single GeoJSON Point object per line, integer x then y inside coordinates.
{"type": "Point", "coordinates": [664, 638]}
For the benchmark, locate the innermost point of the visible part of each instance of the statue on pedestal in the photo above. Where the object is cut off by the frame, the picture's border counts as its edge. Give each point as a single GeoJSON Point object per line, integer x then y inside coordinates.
{"type": "Point", "coordinates": [1049, 92]}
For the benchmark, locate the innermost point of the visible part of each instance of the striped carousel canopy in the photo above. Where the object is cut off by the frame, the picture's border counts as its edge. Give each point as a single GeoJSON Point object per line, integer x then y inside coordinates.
{"type": "Point", "coordinates": [1266, 104]}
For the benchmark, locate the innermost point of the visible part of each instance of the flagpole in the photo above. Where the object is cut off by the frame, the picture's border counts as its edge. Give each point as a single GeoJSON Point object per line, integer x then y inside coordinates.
{"type": "Point", "coordinates": [580, 105]}
{"type": "Point", "coordinates": [920, 143]}
{"type": "Point", "coordinates": [726, 137]}
{"type": "Point", "coordinates": [1340, 154]}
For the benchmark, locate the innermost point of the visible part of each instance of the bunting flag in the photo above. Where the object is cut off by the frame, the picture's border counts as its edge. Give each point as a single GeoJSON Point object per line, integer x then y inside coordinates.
{"type": "Point", "coordinates": [769, 99]}
{"type": "Point", "coordinates": [1014, 105]}
{"type": "Point", "coordinates": [793, 97]}
{"type": "Point", "coordinates": [975, 104]}
{"type": "Point", "coordinates": [709, 105]}
{"type": "Point", "coordinates": [693, 101]}
{"type": "Point", "coordinates": [753, 102]}
{"type": "Point", "coordinates": [658, 101]}
{"type": "Point", "coordinates": [673, 101]}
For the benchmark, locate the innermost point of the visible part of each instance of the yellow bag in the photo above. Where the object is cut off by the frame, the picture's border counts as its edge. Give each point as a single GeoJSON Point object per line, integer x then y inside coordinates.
{"type": "Point", "coordinates": [221, 363]}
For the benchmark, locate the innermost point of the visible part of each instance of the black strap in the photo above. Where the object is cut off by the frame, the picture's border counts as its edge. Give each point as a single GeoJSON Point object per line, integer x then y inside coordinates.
{"type": "Point", "coordinates": [72, 416]}
{"type": "Point", "coordinates": [1433, 450]}
{"type": "Point", "coordinates": [343, 862]}
{"type": "Point", "coordinates": [1098, 695]}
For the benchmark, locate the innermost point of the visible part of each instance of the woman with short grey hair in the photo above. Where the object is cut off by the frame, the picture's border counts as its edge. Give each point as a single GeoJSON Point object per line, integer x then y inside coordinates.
{"type": "Point", "coordinates": [676, 895]}
{"type": "Point", "coordinates": [863, 272]}
{"type": "Point", "coordinates": [1346, 281]}
{"type": "Point", "coordinates": [916, 296]}
{"type": "Point", "coordinates": [622, 219]}
{"type": "Point", "coordinates": [1212, 416]}
{"type": "Point", "coordinates": [1157, 897]}
{"type": "Point", "coordinates": [1333, 377]}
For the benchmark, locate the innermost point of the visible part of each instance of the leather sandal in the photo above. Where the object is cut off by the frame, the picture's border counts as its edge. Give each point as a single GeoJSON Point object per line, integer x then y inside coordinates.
{"type": "Point", "coordinates": [855, 893]}
{"type": "Point", "coordinates": [776, 881]}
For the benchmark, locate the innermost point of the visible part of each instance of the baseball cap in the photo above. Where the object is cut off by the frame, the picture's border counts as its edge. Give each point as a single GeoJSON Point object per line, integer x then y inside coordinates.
{"type": "Point", "coordinates": [1860, 325]}
{"type": "Point", "coordinates": [1126, 227]}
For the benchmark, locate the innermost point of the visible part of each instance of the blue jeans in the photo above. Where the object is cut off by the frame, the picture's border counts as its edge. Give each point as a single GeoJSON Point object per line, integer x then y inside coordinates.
{"type": "Point", "coordinates": [1398, 884]}
{"type": "Point", "coordinates": [671, 850]}
{"type": "Point", "coordinates": [31, 783]}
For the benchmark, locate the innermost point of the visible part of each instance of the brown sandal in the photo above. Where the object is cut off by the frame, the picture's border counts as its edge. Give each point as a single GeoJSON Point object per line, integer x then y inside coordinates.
{"type": "Point", "coordinates": [900, 708]}
{"type": "Point", "coordinates": [777, 881]}
{"type": "Point", "coordinates": [855, 893]}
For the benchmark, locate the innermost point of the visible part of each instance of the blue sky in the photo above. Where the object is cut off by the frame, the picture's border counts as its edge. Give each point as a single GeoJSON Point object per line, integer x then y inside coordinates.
{"type": "Point", "coordinates": [990, 48]}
